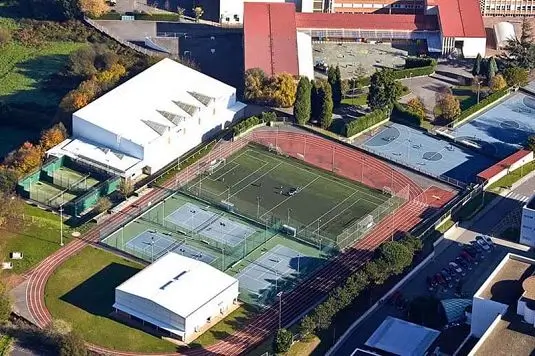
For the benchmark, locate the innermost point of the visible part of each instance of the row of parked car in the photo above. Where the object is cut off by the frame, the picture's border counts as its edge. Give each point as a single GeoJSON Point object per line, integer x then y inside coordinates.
{"type": "Point", "coordinates": [471, 254]}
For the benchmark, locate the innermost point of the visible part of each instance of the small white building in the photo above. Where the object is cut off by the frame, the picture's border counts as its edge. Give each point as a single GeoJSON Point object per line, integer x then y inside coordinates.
{"type": "Point", "coordinates": [231, 11]}
{"type": "Point", "coordinates": [149, 121]}
{"type": "Point", "coordinates": [527, 228]}
{"type": "Point", "coordinates": [177, 294]}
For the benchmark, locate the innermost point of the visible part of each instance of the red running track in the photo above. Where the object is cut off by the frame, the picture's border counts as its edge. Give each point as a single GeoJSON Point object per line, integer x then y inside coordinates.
{"type": "Point", "coordinates": [309, 292]}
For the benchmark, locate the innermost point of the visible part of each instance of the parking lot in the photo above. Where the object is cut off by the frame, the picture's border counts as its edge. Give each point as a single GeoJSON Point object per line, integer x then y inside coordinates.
{"type": "Point", "coordinates": [349, 55]}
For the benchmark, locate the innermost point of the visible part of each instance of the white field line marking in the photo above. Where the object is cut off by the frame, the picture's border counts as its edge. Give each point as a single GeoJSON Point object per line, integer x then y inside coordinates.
{"type": "Point", "coordinates": [284, 201]}
{"type": "Point", "coordinates": [331, 209]}
{"type": "Point", "coordinates": [251, 182]}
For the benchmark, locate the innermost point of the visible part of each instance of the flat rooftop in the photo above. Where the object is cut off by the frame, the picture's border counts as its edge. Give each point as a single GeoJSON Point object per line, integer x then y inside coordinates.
{"type": "Point", "coordinates": [506, 286]}
{"type": "Point", "coordinates": [511, 336]}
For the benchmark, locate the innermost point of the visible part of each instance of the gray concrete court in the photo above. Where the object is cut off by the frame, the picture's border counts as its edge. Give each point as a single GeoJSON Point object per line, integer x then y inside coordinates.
{"type": "Point", "coordinates": [349, 55]}
{"type": "Point", "coordinates": [209, 224]}
{"type": "Point", "coordinates": [276, 264]}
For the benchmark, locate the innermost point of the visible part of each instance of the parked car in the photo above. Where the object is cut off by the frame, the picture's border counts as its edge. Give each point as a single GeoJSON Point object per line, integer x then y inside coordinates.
{"type": "Point", "coordinates": [447, 276]}
{"type": "Point", "coordinates": [463, 263]}
{"type": "Point", "coordinates": [485, 246]}
{"type": "Point", "coordinates": [468, 257]}
{"type": "Point", "coordinates": [471, 250]}
{"type": "Point", "coordinates": [476, 246]}
{"type": "Point", "coordinates": [431, 284]}
{"type": "Point", "coordinates": [487, 239]}
{"type": "Point", "coordinates": [454, 266]}
{"type": "Point", "coordinates": [440, 279]}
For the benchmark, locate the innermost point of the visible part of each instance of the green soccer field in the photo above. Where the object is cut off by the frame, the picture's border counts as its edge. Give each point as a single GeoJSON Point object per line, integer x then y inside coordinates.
{"type": "Point", "coordinates": [258, 183]}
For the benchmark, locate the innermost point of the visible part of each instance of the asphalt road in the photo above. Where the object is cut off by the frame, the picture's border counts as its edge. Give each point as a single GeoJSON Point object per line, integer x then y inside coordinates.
{"type": "Point", "coordinates": [447, 251]}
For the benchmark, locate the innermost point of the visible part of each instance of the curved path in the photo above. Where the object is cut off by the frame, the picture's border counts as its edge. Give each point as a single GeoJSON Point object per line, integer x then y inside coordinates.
{"type": "Point", "coordinates": [319, 152]}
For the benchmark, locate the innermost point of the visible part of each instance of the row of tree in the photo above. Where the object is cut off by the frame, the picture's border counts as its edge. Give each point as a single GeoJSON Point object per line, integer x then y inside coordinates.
{"type": "Point", "coordinates": [314, 100]}
{"type": "Point", "coordinates": [391, 258]}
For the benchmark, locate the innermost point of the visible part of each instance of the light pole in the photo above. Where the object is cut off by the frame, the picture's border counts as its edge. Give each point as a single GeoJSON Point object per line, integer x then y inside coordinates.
{"type": "Point", "coordinates": [152, 249]}
{"type": "Point", "coordinates": [61, 225]}
{"type": "Point", "coordinates": [257, 206]}
{"type": "Point", "coordinates": [280, 309]}
{"type": "Point", "coordinates": [298, 258]}
{"type": "Point", "coordinates": [289, 210]}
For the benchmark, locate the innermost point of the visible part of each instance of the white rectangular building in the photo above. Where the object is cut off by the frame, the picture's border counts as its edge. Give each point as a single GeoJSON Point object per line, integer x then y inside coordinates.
{"type": "Point", "coordinates": [151, 120]}
{"type": "Point", "coordinates": [177, 294]}
{"type": "Point", "coordinates": [527, 228]}
{"type": "Point", "coordinates": [231, 11]}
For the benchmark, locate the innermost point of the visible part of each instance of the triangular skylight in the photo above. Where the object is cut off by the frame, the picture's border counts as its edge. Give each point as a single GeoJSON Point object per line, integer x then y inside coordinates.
{"type": "Point", "coordinates": [159, 128]}
{"type": "Point", "coordinates": [190, 109]}
{"type": "Point", "coordinates": [174, 118]}
{"type": "Point", "coordinates": [204, 99]}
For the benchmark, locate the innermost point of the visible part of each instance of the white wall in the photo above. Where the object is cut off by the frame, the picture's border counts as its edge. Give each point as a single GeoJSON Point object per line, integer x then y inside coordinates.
{"type": "Point", "coordinates": [217, 306]}
{"type": "Point", "coordinates": [484, 312]}
{"type": "Point", "coordinates": [307, 5]}
{"type": "Point", "coordinates": [304, 55]}
{"type": "Point", "coordinates": [229, 8]}
{"type": "Point", "coordinates": [527, 229]}
{"type": "Point", "coordinates": [96, 134]}
{"type": "Point", "coordinates": [473, 46]}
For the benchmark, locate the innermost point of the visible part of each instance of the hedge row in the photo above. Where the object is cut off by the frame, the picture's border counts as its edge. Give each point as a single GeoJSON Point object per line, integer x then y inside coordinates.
{"type": "Point", "coordinates": [405, 115]}
{"type": "Point", "coordinates": [246, 124]}
{"type": "Point", "coordinates": [415, 62]}
{"type": "Point", "coordinates": [366, 121]}
{"type": "Point", "coordinates": [413, 72]}
{"type": "Point", "coordinates": [483, 103]}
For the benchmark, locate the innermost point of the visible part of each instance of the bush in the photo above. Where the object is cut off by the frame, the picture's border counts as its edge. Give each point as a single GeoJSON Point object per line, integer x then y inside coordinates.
{"type": "Point", "coordinates": [109, 16]}
{"type": "Point", "coordinates": [5, 36]}
{"type": "Point", "coordinates": [483, 103]}
{"type": "Point", "coordinates": [158, 17]}
{"type": "Point", "coordinates": [415, 62]}
{"type": "Point", "coordinates": [405, 115]}
{"type": "Point", "coordinates": [366, 121]}
{"type": "Point", "coordinates": [413, 72]}
{"type": "Point", "coordinates": [72, 345]}
{"type": "Point", "coordinates": [246, 124]}
{"type": "Point", "coordinates": [283, 341]}
{"type": "Point", "coordinates": [102, 205]}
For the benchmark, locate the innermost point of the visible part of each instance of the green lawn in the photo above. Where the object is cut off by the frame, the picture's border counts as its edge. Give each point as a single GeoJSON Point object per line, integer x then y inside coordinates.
{"type": "Point", "coordinates": [24, 70]}
{"type": "Point", "coordinates": [358, 100]}
{"type": "Point", "coordinates": [37, 237]}
{"type": "Point", "coordinates": [512, 177]}
{"type": "Point", "coordinates": [81, 292]}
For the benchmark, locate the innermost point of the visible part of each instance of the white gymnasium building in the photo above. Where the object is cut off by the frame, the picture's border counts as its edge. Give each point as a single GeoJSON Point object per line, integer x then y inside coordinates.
{"type": "Point", "coordinates": [177, 294]}
{"type": "Point", "coordinates": [149, 121]}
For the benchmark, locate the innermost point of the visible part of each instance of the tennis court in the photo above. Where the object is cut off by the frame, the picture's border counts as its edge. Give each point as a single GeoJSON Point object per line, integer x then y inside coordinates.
{"type": "Point", "coordinates": [73, 180]}
{"type": "Point", "coordinates": [209, 224]}
{"type": "Point", "coordinates": [156, 244]}
{"type": "Point", "coordinates": [270, 273]}
{"type": "Point", "coordinates": [272, 188]}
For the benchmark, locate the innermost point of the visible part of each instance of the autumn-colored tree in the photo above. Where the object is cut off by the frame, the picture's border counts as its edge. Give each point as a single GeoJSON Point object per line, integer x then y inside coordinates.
{"type": "Point", "coordinates": [111, 75]}
{"type": "Point", "coordinates": [26, 158]}
{"type": "Point", "coordinates": [416, 106]}
{"type": "Point", "coordinates": [93, 8]}
{"type": "Point", "coordinates": [497, 83]}
{"type": "Point", "coordinates": [255, 80]}
{"type": "Point", "coordinates": [449, 106]}
{"type": "Point", "coordinates": [198, 11]}
{"type": "Point", "coordinates": [516, 76]}
{"type": "Point", "coordinates": [282, 89]}
{"type": "Point", "coordinates": [53, 136]}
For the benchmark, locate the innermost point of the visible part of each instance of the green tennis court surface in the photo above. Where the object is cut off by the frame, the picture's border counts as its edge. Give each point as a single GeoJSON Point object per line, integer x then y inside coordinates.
{"type": "Point", "coordinates": [269, 187]}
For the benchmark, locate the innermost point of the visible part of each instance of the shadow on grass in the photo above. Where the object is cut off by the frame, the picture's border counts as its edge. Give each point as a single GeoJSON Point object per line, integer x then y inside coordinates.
{"type": "Point", "coordinates": [96, 294]}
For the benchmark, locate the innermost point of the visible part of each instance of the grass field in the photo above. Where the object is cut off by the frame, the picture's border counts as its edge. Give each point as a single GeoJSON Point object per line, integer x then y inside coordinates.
{"type": "Point", "coordinates": [23, 70]}
{"type": "Point", "coordinates": [257, 182]}
{"type": "Point", "coordinates": [37, 238]}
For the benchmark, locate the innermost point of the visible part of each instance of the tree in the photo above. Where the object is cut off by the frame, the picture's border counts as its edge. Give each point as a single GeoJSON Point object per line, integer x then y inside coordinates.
{"type": "Point", "coordinates": [335, 81]}
{"type": "Point", "coordinates": [283, 341]}
{"type": "Point", "coordinates": [476, 70]}
{"type": "Point", "coordinates": [396, 256]}
{"type": "Point", "coordinates": [8, 180]}
{"type": "Point", "coordinates": [26, 158]}
{"type": "Point", "coordinates": [60, 327]}
{"type": "Point", "coordinates": [93, 8]}
{"type": "Point", "coordinates": [376, 271]}
{"type": "Point", "coordinates": [492, 69]}
{"type": "Point", "coordinates": [53, 136]}
{"type": "Point", "coordinates": [302, 106]}
{"type": "Point", "coordinates": [106, 60]}
{"type": "Point", "coordinates": [5, 37]}
{"type": "Point", "coordinates": [281, 90]}
{"type": "Point", "coordinates": [198, 11]}
{"type": "Point", "coordinates": [515, 76]}
{"type": "Point", "coordinates": [11, 210]}
{"type": "Point", "coordinates": [449, 106]}
{"type": "Point", "coordinates": [384, 90]}
{"type": "Point", "coordinates": [416, 106]}
{"type": "Point", "coordinates": [180, 12]}
{"type": "Point", "coordinates": [413, 243]}
{"type": "Point", "coordinates": [126, 188]}
{"type": "Point", "coordinates": [531, 143]}
{"type": "Point", "coordinates": [526, 35]}
{"type": "Point", "coordinates": [103, 204]}
{"type": "Point", "coordinates": [72, 345]}
{"type": "Point", "coordinates": [5, 304]}
{"type": "Point", "coordinates": [326, 114]}
{"type": "Point", "coordinates": [82, 62]}
{"type": "Point", "coordinates": [520, 52]}
{"type": "Point", "coordinates": [111, 76]}
{"type": "Point", "coordinates": [307, 326]}
{"type": "Point", "coordinates": [255, 80]}
{"type": "Point", "coordinates": [497, 83]}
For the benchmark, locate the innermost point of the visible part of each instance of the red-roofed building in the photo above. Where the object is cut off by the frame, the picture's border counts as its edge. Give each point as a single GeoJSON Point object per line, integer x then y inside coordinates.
{"type": "Point", "coordinates": [270, 38]}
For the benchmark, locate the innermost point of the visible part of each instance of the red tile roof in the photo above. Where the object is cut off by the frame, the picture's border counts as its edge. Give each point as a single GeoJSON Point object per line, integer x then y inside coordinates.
{"type": "Point", "coordinates": [503, 164]}
{"type": "Point", "coordinates": [270, 37]}
{"type": "Point", "coordinates": [366, 21]}
{"type": "Point", "coordinates": [460, 18]}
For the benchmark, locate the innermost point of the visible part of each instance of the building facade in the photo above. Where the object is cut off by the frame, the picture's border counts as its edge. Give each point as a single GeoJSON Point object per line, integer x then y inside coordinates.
{"type": "Point", "coordinates": [507, 8]}
{"type": "Point", "coordinates": [527, 228]}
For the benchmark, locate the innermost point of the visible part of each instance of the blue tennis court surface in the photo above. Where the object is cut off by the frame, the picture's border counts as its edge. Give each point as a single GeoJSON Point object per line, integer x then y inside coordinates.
{"type": "Point", "coordinates": [155, 244]}
{"type": "Point", "coordinates": [426, 153]}
{"type": "Point", "coordinates": [276, 264]}
{"type": "Point", "coordinates": [503, 129]}
{"type": "Point", "coordinates": [209, 224]}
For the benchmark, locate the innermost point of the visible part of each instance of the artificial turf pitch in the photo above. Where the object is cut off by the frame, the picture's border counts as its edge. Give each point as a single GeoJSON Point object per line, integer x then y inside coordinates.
{"type": "Point", "coordinates": [257, 182]}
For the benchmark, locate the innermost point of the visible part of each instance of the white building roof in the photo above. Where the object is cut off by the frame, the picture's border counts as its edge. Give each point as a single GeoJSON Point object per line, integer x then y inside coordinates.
{"type": "Point", "coordinates": [137, 109]}
{"type": "Point", "coordinates": [402, 338]}
{"type": "Point", "coordinates": [177, 283]}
